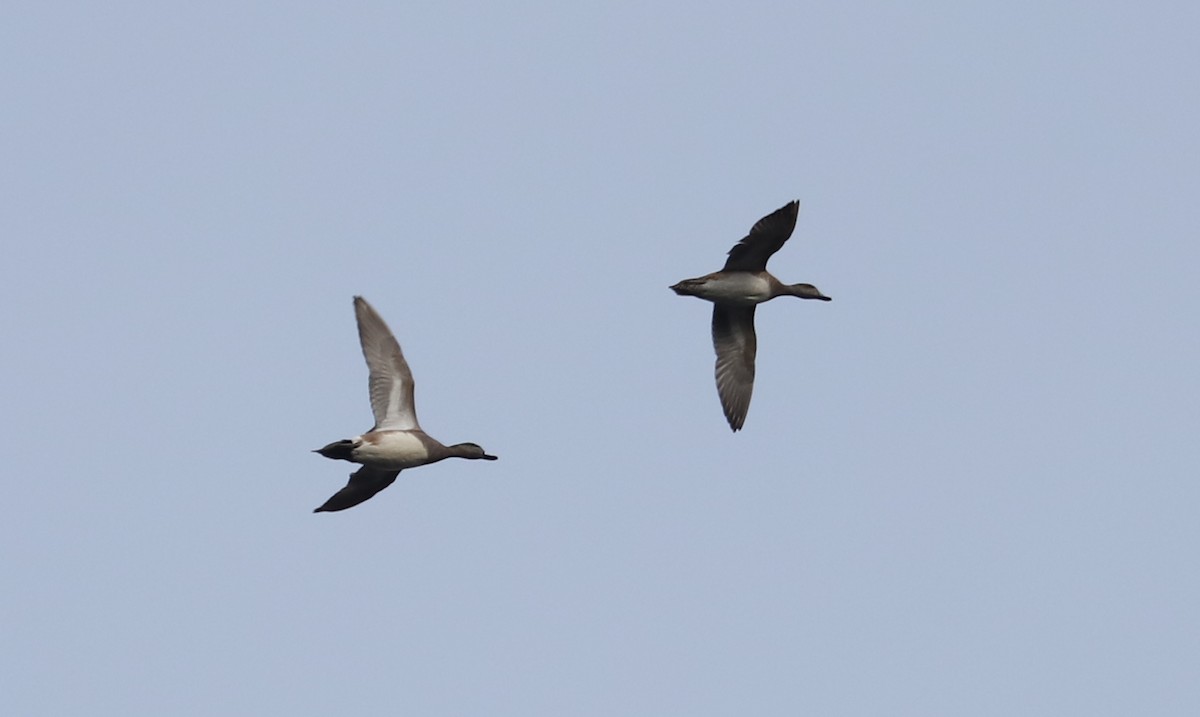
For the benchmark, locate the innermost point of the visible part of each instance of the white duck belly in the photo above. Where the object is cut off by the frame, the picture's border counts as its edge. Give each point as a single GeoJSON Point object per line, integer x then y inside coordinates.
{"type": "Point", "coordinates": [391, 450]}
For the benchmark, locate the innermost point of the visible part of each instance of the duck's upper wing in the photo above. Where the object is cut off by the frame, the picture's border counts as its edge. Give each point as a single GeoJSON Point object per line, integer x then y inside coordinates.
{"type": "Point", "coordinates": [364, 483]}
{"type": "Point", "coordinates": [765, 238]}
{"type": "Point", "coordinates": [391, 381]}
{"type": "Point", "coordinates": [736, 346]}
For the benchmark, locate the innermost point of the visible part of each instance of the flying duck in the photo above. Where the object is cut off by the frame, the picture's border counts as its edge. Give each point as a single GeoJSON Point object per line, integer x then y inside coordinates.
{"type": "Point", "coordinates": [396, 441]}
{"type": "Point", "coordinates": [735, 290]}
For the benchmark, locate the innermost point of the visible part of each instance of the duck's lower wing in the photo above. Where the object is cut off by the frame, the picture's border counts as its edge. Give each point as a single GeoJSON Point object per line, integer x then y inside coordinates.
{"type": "Point", "coordinates": [364, 484]}
{"type": "Point", "coordinates": [736, 346]}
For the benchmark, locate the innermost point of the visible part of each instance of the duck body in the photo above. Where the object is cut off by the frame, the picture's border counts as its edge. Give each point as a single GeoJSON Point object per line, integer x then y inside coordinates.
{"type": "Point", "coordinates": [740, 288]}
{"type": "Point", "coordinates": [384, 449]}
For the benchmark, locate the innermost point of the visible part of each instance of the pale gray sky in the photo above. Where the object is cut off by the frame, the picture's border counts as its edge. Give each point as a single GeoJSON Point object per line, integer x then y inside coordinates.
{"type": "Point", "coordinates": [967, 486]}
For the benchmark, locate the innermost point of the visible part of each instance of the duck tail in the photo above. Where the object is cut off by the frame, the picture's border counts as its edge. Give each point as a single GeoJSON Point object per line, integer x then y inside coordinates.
{"type": "Point", "coordinates": [338, 450]}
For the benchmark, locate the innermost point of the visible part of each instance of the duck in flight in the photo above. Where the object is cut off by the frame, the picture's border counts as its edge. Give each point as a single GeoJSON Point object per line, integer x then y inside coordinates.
{"type": "Point", "coordinates": [735, 290]}
{"type": "Point", "coordinates": [396, 441]}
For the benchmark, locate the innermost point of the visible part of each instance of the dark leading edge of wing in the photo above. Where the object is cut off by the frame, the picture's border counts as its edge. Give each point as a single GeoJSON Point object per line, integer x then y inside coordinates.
{"type": "Point", "coordinates": [364, 484]}
{"type": "Point", "coordinates": [765, 238]}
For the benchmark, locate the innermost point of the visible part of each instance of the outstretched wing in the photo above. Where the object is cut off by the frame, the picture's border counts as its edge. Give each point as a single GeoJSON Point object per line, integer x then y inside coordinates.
{"type": "Point", "coordinates": [391, 381]}
{"type": "Point", "coordinates": [765, 238]}
{"type": "Point", "coordinates": [736, 346]}
{"type": "Point", "coordinates": [364, 484]}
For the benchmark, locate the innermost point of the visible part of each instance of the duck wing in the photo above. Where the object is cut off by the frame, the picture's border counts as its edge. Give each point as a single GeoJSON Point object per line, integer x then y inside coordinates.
{"type": "Point", "coordinates": [736, 346]}
{"type": "Point", "coordinates": [364, 484]}
{"type": "Point", "coordinates": [765, 238]}
{"type": "Point", "coordinates": [391, 381]}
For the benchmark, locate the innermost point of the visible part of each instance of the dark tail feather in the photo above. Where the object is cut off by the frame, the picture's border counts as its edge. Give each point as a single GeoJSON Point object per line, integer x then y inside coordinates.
{"type": "Point", "coordinates": [338, 450]}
